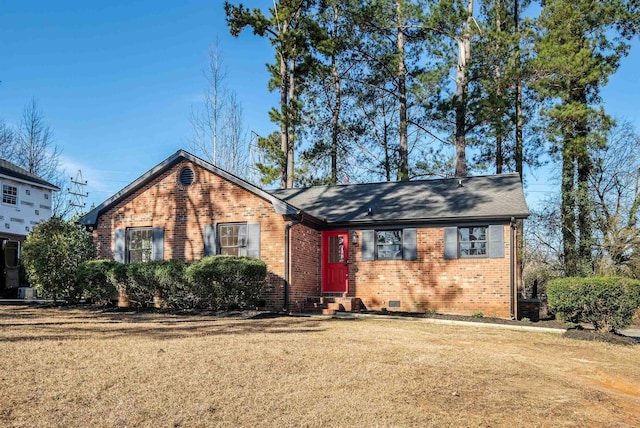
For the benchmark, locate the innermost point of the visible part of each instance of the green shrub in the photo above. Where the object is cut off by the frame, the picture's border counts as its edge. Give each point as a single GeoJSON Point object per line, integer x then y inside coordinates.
{"type": "Point", "coordinates": [174, 289]}
{"type": "Point", "coordinates": [117, 277]}
{"type": "Point", "coordinates": [51, 255]}
{"type": "Point", "coordinates": [92, 277]}
{"type": "Point", "coordinates": [226, 281]}
{"type": "Point", "coordinates": [141, 284]}
{"type": "Point", "coordinates": [608, 303]}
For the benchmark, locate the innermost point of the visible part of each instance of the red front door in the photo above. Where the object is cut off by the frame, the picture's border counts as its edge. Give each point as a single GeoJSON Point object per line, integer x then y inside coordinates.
{"type": "Point", "coordinates": [335, 255]}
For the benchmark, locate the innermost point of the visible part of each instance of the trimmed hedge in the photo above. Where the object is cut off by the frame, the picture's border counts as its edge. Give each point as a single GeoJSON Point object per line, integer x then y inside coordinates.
{"type": "Point", "coordinates": [215, 282]}
{"type": "Point", "coordinates": [608, 303]}
{"type": "Point", "coordinates": [92, 278]}
{"type": "Point", "coordinates": [227, 281]}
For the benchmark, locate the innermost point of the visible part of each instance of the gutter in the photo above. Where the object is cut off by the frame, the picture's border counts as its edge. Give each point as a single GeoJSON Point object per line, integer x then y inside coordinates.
{"type": "Point", "coordinates": [422, 222]}
{"type": "Point", "coordinates": [511, 266]}
{"type": "Point", "coordinates": [287, 244]}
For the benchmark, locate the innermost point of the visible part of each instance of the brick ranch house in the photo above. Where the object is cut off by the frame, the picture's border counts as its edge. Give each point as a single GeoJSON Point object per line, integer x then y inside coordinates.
{"type": "Point", "coordinates": [447, 245]}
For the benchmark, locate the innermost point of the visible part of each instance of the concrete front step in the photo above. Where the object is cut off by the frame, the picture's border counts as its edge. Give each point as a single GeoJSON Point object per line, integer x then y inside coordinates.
{"type": "Point", "coordinates": [328, 305]}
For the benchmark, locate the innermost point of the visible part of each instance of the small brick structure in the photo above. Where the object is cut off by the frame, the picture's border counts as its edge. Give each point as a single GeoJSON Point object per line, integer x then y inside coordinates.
{"type": "Point", "coordinates": [425, 281]}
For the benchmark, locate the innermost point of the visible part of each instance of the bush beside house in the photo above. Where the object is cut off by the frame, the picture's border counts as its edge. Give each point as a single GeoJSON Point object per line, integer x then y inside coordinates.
{"type": "Point", "coordinates": [608, 303]}
{"type": "Point", "coordinates": [51, 255]}
{"type": "Point", "coordinates": [214, 282]}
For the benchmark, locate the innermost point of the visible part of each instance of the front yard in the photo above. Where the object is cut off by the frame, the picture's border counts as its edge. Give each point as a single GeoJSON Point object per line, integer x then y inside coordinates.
{"type": "Point", "coordinates": [62, 367]}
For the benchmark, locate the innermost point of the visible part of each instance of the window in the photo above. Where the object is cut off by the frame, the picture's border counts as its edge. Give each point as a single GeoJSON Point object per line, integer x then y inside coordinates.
{"type": "Point", "coordinates": [139, 244]}
{"type": "Point", "coordinates": [9, 194]}
{"type": "Point", "coordinates": [233, 238]}
{"type": "Point", "coordinates": [389, 244]}
{"type": "Point", "coordinates": [336, 249]}
{"type": "Point", "coordinates": [473, 241]}
{"type": "Point", "coordinates": [396, 244]}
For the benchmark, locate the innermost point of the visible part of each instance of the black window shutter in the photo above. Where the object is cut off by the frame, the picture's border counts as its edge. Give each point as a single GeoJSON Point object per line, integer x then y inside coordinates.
{"type": "Point", "coordinates": [210, 246]}
{"type": "Point", "coordinates": [157, 248]}
{"type": "Point", "coordinates": [119, 245]}
{"type": "Point", "coordinates": [253, 240]}
{"type": "Point", "coordinates": [409, 244]}
{"type": "Point", "coordinates": [450, 243]}
{"type": "Point", "coordinates": [496, 241]}
{"type": "Point", "coordinates": [368, 244]}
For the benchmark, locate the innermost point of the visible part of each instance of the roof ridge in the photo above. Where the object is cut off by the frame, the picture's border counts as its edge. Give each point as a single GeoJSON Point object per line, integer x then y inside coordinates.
{"type": "Point", "coordinates": [381, 183]}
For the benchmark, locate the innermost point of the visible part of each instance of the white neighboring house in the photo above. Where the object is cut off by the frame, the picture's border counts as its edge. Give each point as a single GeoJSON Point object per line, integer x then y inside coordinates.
{"type": "Point", "coordinates": [26, 201]}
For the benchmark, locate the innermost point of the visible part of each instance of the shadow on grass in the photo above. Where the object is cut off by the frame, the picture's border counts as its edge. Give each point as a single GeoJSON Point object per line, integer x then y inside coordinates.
{"type": "Point", "coordinates": [78, 325]}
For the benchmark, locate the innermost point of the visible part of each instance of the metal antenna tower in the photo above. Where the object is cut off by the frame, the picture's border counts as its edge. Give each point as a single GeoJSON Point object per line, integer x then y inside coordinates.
{"type": "Point", "coordinates": [78, 194]}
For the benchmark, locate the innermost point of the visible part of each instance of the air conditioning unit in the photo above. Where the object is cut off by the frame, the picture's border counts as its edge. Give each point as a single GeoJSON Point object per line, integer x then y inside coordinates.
{"type": "Point", "coordinates": [27, 293]}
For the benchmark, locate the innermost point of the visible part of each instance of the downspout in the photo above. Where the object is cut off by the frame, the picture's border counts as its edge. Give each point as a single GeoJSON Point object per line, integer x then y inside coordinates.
{"type": "Point", "coordinates": [287, 228]}
{"type": "Point", "coordinates": [511, 265]}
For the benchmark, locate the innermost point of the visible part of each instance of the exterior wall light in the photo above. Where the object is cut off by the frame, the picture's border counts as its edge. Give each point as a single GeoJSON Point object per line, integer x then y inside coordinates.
{"type": "Point", "coordinates": [354, 238]}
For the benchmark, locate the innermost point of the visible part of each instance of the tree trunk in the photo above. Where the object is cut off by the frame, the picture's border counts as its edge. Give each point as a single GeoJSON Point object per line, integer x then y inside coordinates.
{"type": "Point", "coordinates": [284, 121]}
{"type": "Point", "coordinates": [290, 115]}
{"type": "Point", "coordinates": [335, 119]}
{"type": "Point", "coordinates": [583, 197]}
{"type": "Point", "coordinates": [518, 101]}
{"type": "Point", "coordinates": [403, 153]}
{"type": "Point", "coordinates": [462, 83]}
{"type": "Point", "coordinates": [585, 227]}
{"type": "Point", "coordinates": [567, 214]}
{"type": "Point", "coordinates": [499, 93]}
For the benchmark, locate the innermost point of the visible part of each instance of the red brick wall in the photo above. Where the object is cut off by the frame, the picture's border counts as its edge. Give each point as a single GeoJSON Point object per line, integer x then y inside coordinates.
{"type": "Point", "coordinates": [183, 212]}
{"type": "Point", "coordinates": [305, 265]}
{"type": "Point", "coordinates": [460, 286]}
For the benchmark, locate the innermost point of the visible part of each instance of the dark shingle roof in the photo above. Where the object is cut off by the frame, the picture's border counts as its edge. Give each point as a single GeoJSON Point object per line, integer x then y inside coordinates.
{"type": "Point", "coordinates": [496, 197]}
{"type": "Point", "coordinates": [10, 170]}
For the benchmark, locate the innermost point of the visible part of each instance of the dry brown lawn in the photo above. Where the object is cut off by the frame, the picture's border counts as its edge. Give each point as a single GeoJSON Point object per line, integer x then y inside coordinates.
{"type": "Point", "coordinates": [66, 368]}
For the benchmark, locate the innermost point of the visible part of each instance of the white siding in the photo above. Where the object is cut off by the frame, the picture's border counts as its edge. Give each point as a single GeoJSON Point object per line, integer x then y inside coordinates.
{"type": "Point", "coordinates": [33, 206]}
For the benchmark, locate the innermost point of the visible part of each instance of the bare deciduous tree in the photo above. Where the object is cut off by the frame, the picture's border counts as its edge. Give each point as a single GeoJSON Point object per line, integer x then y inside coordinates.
{"type": "Point", "coordinates": [7, 141]}
{"type": "Point", "coordinates": [219, 134]}
{"type": "Point", "coordinates": [615, 188]}
{"type": "Point", "coordinates": [36, 152]}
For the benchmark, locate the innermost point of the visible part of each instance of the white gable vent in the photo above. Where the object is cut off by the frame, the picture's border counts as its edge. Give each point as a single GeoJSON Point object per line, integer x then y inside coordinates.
{"type": "Point", "coordinates": [186, 176]}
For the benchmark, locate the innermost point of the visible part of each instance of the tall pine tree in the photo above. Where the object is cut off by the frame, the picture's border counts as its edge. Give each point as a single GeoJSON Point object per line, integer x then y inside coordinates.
{"type": "Point", "coordinates": [579, 45]}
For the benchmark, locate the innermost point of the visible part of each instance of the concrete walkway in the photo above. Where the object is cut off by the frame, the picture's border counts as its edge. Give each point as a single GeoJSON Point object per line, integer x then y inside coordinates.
{"type": "Point", "coordinates": [630, 332]}
{"type": "Point", "coordinates": [347, 315]}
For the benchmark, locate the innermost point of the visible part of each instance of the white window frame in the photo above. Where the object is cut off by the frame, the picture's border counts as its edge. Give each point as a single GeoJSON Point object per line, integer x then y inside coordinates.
{"type": "Point", "coordinates": [14, 196]}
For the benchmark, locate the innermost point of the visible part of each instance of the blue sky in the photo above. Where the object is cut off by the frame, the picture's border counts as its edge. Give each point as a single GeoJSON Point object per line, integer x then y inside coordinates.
{"type": "Point", "coordinates": [116, 80]}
